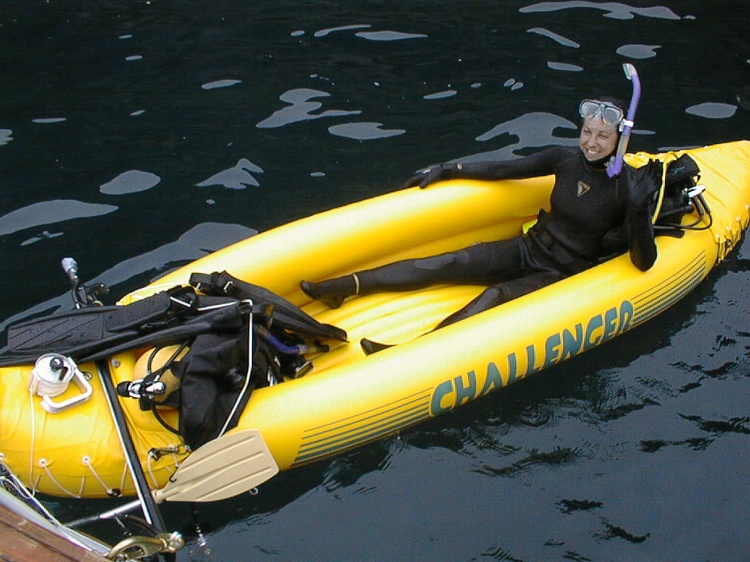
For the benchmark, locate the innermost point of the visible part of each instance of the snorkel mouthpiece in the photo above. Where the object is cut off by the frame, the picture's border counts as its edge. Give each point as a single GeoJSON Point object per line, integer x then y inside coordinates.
{"type": "Point", "coordinates": [615, 167]}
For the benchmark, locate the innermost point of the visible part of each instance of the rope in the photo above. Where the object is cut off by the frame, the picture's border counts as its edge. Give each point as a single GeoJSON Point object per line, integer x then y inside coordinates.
{"type": "Point", "coordinates": [124, 476]}
{"type": "Point", "coordinates": [154, 482]}
{"type": "Point", "coordinates": [248, 376]}
{"type": "Point", "coordinates": [156, 454]}
{"type": "Point", "coordinates": [45, 465]}
{"type": "Point", "coordinates": [86, 459]}
{"type": "Point", "coordinates": [33, 443]}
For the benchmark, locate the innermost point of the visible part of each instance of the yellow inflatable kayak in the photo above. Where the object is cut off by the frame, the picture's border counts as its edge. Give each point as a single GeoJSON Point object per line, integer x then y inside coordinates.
{"type": "Point", "coordinates": [69, 445]}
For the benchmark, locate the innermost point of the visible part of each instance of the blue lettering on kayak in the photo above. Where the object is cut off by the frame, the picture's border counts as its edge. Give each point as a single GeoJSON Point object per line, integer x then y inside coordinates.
{"type": "Point", "coordinates": [557, 347]}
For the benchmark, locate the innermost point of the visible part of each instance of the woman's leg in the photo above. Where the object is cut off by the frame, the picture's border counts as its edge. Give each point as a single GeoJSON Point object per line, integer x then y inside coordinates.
{"type": "Point", "coordinates": [489, 298]}
{"type": "Point", "coordinates": [501, 293]}
{"type": "Point", "coordinates": [481, 264]}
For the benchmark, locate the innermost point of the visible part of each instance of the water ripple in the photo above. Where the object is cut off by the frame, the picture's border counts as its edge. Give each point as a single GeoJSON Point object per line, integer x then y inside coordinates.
{"type": "Point", "coordinates": [300, 108]}
{"type": "Point", "coordinates": [325, 32]}
{"type": "Point", "coordinates": [220, 84]}
{"type": "Point", "coordinates": [638, 51]}
{"type": "Point", "coordinates": [49, 120]}
{"type": "Point", "coordinates": [499, 553]}
{"type": "Point", "coordinates": [739, 425]}
{"type": "Point", "coordinates": [50, 212]}
{"type": "Point", "coordinates": [565, 67]}
{"type": "Point", "coordinates": [564, 41]}
{"type": "Point", "coordinates": [617, 532]}
{"type": "Point", "coordinates": [536, 415]}
{"type": "Point", "coordinates": [198, 241]}
{"type": "Point", "coordinates": [694, 443]}
{"type": "Point", "coordinates": [132, 181]}
{"type": "Point", "coordinates": [556, 457]}
{"type": "Point", "coordinates": [364, 131]}
{"type": "Point", "coordinates": [513, 84]}
{"type": "Point", "coordinates": [440, 95]}
{"type": "Point", "coordinates": [389, 35]}
{"type": "Point", "coordinates": [532, 130]}
{"type": "Point", "coordinates": [237, 177]}
{"type": "Point", "coordinates": [614, 10]}
{"type": "Point", "coordinates": [712, 110]}
{"type": "Point", "coordinates": [569, 506]}
{"type": "Point", "coordinates": [44, 235]}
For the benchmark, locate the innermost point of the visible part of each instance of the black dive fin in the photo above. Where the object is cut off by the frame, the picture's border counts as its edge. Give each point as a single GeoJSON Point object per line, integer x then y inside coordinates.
{"type": "Point", "coordinates": [93, 333]}
{"type": "Point", "coordinates": [285, 314]}
{"type": "Point", "coordinates": [225, 319]}
{"type": "Point", "coordinates": [82, 332]}
{"type": "Point", "coordinates": [62, 332]}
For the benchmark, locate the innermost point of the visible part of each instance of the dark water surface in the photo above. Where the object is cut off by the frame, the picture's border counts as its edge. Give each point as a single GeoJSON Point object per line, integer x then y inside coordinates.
{"type": "Point", "coordinates": [136, 136]}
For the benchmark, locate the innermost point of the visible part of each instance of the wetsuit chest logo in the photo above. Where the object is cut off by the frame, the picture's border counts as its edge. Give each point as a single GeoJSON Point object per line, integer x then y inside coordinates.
{"type": "Point", "coordinates": [583, 188]}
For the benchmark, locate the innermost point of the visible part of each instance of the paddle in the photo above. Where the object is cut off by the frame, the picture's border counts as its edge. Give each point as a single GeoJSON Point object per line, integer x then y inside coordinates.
{"type": "Point", "coordinates": [222, 468]}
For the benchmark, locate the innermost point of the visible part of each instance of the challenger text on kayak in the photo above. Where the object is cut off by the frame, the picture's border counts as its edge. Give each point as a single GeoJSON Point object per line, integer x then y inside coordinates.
{"type": "Point", "coordinates": [557, 347]}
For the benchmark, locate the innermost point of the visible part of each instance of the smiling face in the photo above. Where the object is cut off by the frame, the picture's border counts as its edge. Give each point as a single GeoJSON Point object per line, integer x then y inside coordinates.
{"type": "Point", "coordinates": [598, 140]}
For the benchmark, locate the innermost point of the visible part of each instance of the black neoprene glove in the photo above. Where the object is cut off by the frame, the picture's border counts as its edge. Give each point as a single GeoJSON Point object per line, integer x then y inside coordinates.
{"type": "Point", "coordinates": [439, 172]}
{"type": "Point", "coordinates": [636, 190]}
{"type": "Point", "coordinates": [638, 185]}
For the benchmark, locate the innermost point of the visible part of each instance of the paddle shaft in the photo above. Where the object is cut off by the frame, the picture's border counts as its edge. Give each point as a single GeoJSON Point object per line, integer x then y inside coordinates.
{"type": "Point", "coordinates": [148, 504]}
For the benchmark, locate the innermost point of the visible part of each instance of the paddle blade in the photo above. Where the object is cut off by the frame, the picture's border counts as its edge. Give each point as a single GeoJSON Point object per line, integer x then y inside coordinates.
{"type": "Point", "coordinates": [220, 469]}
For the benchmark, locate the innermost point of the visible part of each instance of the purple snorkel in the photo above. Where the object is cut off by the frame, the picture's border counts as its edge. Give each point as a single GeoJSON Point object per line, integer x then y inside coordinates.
{"type": "Point", "coordinates": [615, 167]}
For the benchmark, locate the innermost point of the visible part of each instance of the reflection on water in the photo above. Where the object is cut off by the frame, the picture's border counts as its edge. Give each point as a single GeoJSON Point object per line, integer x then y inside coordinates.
{"type": "Point", "coordinates": [564, 67]}
{"type": "Point", "coordinates": [712, 110]}
{"type": "Point", "coordinates": [301, 109]}
{"type": "Point", "coordinates": [220, 84]}
{"type": "Point", "coordinates": [364, 131]}
{"type": "Point", "coordinates": [440, 95]}
{"type": "Point", "coordinates": [145, 268]}
{"type": "Point", "coordinates": [614, 10]}
{"type": "Point", "coordinates": [564, 41]}
{"type": "Point", "coordinates": [136, 136]}
{"type": "Point", "coordinates": [637, 52]}
{"type": "Point", "coordinates": [388, 35]}
{"type": "Point", "coordinates": [50, 212]}
{"type": "Point", "coordinates": [131, 181]}
{"type": "Point", "coordinates": [238, 177]}
{"type": "Point", "coordinates": [49, 120]}
{"type": "Point", "coordinates": [325, 32]}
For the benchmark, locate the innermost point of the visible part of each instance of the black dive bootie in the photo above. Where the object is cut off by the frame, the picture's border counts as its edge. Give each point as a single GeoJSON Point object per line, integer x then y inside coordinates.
{"type": "Point", "coordinates": [370, 346]}
{"type": "Point", "coordinates": [332, 292]}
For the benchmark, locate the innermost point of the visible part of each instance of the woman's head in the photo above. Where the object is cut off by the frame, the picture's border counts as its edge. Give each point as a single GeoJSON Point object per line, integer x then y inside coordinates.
{"type": "Point", "coordinates": [600, 131]}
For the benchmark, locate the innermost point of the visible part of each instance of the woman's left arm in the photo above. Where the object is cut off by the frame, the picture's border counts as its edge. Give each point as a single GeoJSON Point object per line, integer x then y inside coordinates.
{"type": "Point", "coordinates": [636, 188]}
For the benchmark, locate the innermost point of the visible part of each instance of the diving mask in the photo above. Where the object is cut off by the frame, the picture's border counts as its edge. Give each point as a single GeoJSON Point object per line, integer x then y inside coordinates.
{"type": "Point", "coordinates": [610, 114]}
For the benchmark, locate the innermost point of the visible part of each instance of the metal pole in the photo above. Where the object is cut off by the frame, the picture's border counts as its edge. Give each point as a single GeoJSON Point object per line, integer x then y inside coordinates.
{"type": "Point", "coordinates": [148, 504]}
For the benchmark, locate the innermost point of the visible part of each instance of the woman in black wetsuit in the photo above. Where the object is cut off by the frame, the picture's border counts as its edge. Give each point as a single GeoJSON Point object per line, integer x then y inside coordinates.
{"type": "Point", "coordinates": [591, 216]}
